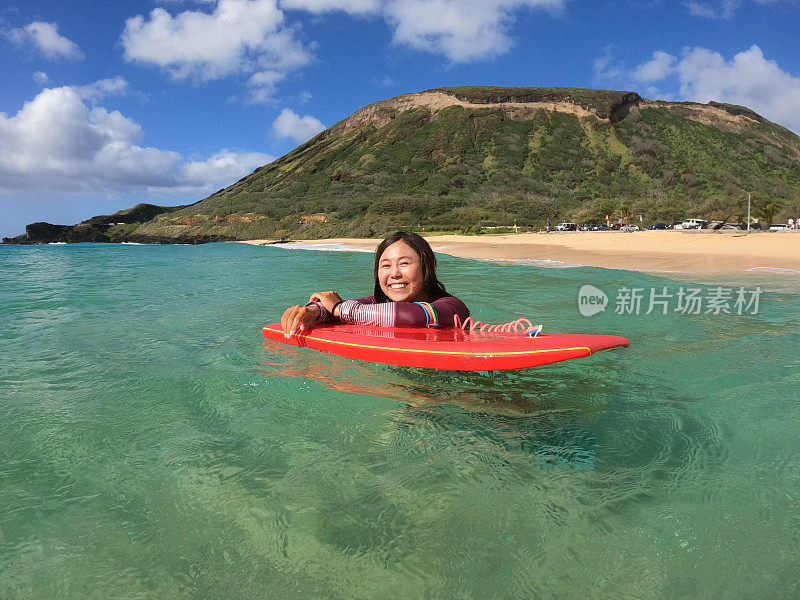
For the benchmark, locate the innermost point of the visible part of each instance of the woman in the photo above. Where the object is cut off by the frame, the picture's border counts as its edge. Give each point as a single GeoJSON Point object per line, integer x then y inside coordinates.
{"type": "Point", "coordinates": [407, 293]}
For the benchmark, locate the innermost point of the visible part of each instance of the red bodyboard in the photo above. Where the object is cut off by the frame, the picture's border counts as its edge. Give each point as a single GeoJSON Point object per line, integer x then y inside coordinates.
{"type": "Point", "coordinates": [452, 349]}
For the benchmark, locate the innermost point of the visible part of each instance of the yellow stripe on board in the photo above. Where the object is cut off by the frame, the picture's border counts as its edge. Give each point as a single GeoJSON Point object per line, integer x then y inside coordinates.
{"type": "Point", "coordinates": [520, 353]}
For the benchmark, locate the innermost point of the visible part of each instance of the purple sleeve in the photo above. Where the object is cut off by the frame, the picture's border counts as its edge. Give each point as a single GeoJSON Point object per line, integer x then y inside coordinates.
{"type": "Point", "coordinates": [447, 308]}
{"type": "Point", "coordinates": [325, 315]}
{"type": "Point", "coordinates": [365, 311]}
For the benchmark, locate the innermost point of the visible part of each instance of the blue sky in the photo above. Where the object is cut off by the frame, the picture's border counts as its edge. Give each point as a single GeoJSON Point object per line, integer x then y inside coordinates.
{"type": "Point", "coordinates": [106, 104]}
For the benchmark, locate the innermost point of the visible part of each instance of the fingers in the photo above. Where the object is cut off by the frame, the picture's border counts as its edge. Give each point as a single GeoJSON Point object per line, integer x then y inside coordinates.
{"type": "Point", "coordinates": [286, 319]}
{"type": "Point", "coordinates": [321, 296]}
{"type": "Point", "coordinates": [291, 318]}
{"type": "Point", "coordinates": [302, 318]}
{"type": "Point", "coordinates": [296, 319]}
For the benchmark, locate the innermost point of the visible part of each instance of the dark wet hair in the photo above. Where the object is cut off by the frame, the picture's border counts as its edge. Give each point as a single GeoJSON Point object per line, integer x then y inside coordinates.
{"type": "Point", "coordinates": [432, 286]}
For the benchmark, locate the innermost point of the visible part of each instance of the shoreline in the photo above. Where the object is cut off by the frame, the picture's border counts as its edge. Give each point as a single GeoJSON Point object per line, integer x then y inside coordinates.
{"type": "Point", "coordinates": [669, 253]}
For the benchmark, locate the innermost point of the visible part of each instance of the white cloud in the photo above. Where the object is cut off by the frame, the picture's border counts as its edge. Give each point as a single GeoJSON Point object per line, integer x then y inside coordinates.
{"type": "Point", "coordinates": [607, 69]}
{"type": "Point", "coordinates": [102, 88]}
{"type": "Point", "coordinates": [724, 9]}
{"type": "Point", "coordinates": [46, 38]}
{"type": "Point", "coordinates": [225, 167]}
{"type": "Point", "coordinates": [222, 38]}
{"type": "Point", "coordinates": [40, 77]}
{"type": "Point", "coordinates": [659, 67]}
{"type": "Point", "coordinates": [291, 125]}
{"type": "Point", "coordinates": [353, 7]}
{"type": "Point", "coordinates": [58, 143]}
{"type": "Point", "coordinates": [237, 37]}
{"type": "Point", "coordinates": [748, 79]}
{"type": "Point", "coordinates": [461, 33]}
{"type": "Point", "coordinates": [461, 30]}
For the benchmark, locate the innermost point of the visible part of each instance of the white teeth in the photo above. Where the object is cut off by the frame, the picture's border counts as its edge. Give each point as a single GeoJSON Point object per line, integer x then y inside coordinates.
{"type": "Point", "coordinates": [397, 286]}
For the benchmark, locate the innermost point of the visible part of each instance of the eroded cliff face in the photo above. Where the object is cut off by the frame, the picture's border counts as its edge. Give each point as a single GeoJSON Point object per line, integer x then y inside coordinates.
{"type": "Point", "coordinates": [516, 103]}
{"type": "Point", "coordinates": [727, 117]}
{"type": "Point", "coordinates": [613, 108]}
{"type": "Point", "coordinates": [621, 109]}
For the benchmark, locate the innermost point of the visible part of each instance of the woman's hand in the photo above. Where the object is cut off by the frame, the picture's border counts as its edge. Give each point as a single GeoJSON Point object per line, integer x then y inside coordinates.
{"type": "Point", "coordinates": [328, 299]}
{"type": "Point", "coordinates": [298, 318]}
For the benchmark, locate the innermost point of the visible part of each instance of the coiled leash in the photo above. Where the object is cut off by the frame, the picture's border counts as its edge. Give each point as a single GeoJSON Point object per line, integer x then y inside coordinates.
{"type": "Point", "coordinates": [518, 326]}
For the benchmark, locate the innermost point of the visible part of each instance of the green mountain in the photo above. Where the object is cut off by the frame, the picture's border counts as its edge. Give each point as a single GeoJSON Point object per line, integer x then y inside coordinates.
{"type": "Point", "coordinates": [459, 158]}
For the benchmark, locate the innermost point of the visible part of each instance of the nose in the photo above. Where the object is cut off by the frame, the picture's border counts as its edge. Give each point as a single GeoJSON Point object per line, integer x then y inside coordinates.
{"type": "Point", "coordinates": [394, 272]}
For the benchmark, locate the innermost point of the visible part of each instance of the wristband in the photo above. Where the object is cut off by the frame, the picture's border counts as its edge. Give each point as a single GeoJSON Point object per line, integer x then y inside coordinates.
{"type": "Point", "coordinates": [334, 308]}
{"type": "Point", "coordinates": [431, 317]}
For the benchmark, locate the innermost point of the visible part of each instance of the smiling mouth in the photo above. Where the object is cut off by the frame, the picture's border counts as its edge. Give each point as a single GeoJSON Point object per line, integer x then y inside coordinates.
{"type": "Point", "coordinates": [398, 286]}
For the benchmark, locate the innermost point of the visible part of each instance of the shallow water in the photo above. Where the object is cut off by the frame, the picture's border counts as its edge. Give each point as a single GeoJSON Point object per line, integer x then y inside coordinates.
{"type": "Point", "coordinates": [153, 445]}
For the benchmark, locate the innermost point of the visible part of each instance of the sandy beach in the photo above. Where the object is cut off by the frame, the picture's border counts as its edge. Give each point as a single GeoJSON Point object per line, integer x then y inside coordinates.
{"type": "Point", "coordinates": [690, 252]}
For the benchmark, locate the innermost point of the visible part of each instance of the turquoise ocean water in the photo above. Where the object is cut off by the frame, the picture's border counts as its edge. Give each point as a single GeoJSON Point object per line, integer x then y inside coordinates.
{"type": "Point", "coordinates": [153, 446]}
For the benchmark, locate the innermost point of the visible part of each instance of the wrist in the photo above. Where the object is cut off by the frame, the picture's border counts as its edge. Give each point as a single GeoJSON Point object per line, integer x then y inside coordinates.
{"type": "Point", "coordinates": [335, 311]}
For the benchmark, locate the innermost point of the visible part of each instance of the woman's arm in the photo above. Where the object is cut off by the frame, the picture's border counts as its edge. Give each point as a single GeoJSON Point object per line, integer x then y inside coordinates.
{"type": "Point", "coordinates": [447, 308]}
{"type": "Point", "coordinates": [328, 304]}
{"type": "Point", "coordinates": [401, 314]}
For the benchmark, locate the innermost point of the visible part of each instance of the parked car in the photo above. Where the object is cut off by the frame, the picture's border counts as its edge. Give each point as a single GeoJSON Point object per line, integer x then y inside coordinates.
{"type": "Point", "coordinates": [586, 227]}
{"type": "Point", "coordinates": [567, 227]}
{"type": "Point", "coordinates": [779, 227]}
{"type": "Point", "coordinates": [658, 226]}
{"type": "Point", "coordinates": [629, 228]}
{"type": "Point", "coordinates": [693, 224]}
{"type": "Point", "coordinates": [599, 228]}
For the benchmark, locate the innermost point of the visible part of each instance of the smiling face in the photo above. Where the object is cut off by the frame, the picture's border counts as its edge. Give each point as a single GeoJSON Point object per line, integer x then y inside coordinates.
{"type": "Point", "coordinates": [400, 273]}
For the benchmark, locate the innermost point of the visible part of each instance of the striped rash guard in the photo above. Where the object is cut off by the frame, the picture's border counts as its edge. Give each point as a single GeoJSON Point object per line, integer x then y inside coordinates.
{"type": "Point", "coordinates": [365, 311]}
